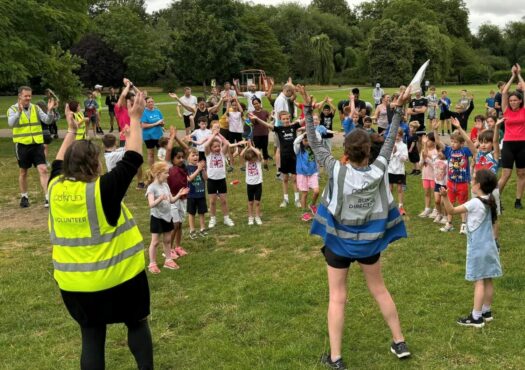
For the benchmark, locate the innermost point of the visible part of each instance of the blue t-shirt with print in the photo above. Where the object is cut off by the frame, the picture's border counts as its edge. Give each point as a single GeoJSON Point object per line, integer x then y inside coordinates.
{"type": "Point", "coordinates": [458, 164]}
{"type": "Point", "coordinates": [197, 186]}
{"type": "Point", "coordinates": [444, 104]}
{"type": "Point", "coordinates": [490, 102]}
{"type": "Point", "coordinates": [151, 116]}
{"type": "Point", "coordinates": [305, 162]}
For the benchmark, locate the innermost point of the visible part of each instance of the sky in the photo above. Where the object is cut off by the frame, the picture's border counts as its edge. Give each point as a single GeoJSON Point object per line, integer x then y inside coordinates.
{"type": "Point", "coordinates": [481, 11]}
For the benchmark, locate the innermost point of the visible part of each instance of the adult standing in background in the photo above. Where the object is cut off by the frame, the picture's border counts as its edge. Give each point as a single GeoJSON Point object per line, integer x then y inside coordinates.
{"type": "Point", "coordinates": [497, 99]}
{"type": "Point", "coordinates": [381, 114]}
{"type": "Point", "coordinates": [24, 118]}
{"type": "Point", "coordinates": [227, 94]}
{"type": "Point", "coordinates": [53, 128]}
{"type": "Point", "coordinates": [250, 95]}
{"type": "Point", "coordinates": [97, 94]}
{"type": "Point", "coordinates": [281, 104]}
{"type": "Point", "coordinates": [152, 122]}
{"type": "Point", "coordinates": [111, 100]}
{"type": "Point", "coordinates": [189, 104]}
{"type": "Point", "coordinates": [377, 94]}
{"type": "Point", "coordinates": [513, 151]}
{"type": "Point", "coordinates": [418, 107]}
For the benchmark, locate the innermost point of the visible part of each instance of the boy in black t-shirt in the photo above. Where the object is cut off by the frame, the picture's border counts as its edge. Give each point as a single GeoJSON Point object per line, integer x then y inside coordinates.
{"type": "Point", "coordinates": [327, 120]}
{"type": "Point", "coordinates": [418, 107]}
{"type": "Point", "coordinates": [286, 134]}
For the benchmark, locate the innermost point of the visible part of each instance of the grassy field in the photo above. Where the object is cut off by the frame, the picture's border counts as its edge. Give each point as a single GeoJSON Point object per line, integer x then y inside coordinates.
{"type": "Point", "coordinates": [256, 297]}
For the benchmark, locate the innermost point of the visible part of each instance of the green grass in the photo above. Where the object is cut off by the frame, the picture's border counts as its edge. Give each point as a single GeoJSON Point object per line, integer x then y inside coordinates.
{"type": "Point", "coordinates": [481, 92]}
{"type": "Point", "coordinates": [256, 297]}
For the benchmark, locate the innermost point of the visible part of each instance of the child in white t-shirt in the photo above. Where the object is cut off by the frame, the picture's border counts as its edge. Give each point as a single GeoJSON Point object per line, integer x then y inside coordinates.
{"type": "Point", "coordinates": [254, 179]}
{"type": "Point", "coordinates": [161, 153]}
{"type": "Point", "coordinates": [112, 154]}
{"type": "Point", "coordinates": [396, 169]}
{"type": "Point", "coordinates": [200, 136]}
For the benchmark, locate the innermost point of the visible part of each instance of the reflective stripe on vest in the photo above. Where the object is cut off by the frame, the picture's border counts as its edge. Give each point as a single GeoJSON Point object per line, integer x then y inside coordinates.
{"type": "Point", "coordinates": [88, 253]}
{"type": "Point", "coordinates": [81, 125]}
{"type": "Point", "coordinates": [28, 130]}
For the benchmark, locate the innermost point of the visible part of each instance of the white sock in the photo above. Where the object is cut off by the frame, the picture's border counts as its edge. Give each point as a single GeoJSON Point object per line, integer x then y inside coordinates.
{"type": "Point", "coordinates": [476, 314]}
{"type": "Point", "coordinates": [427, 209]}
{"type": "Point", "coordinates": [334, 359]}
{"type": "Point", "coordinates": [226, 217]}
{"type": "Point", "coordinates": [47, 197]}
{"type": "Point", "coordinates": [485, 308]}
{"type": "Point", "coordinates": [286, 197]}
{"type": "Point", "coordinates": [25, 195]}
{"type": "Point", "coordinates": [296, 196]}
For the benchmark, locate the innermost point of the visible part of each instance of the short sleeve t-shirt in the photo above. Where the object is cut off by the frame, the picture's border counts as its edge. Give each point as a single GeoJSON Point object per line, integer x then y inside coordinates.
{"type": "Point", "coordinates": [458, 164]}
{"type": "Point", "coordinates": [177, 179]}
{"type": "Point", "coordinates": [235, 122]}
{"type": "Point", "coordinates": [490, 102]}
{"type": "Point", "coordinates": [253, 173]}
{"type": "Point", "coordinates": [258, 128]}
{"type": "Point", "coordinates": [197, 186]}
{"type": "Point", "coordinates": [444, 104]}
{"type": "Point", "coordinates": [440, 171]}
{"type": "Point", "coordinates": [287, 135]}
{"type": "Point", "coordinates": [123, 120]}
{"type": "Point", "coordinates": [188, 101]}
{"type": "Point", "coordinates": [416, 103]}
{"type": "Point", "coordinates": [327, 121]}
{"type": "Point", "coordinates": [216, 166]}
{"type": "Point", "coordinates": [514, 125]}
{"type": "Point", "coordinates": [200, 135]}
{"type": "Point", "coordinates": [112, 158]}
{"type": "Point", "coordinates": [163, 209]}
{"type": "Point", "coordinates": [476, 212]}
{"type": "Point", "coordinates": [249, 96]}
{"type": "Point", "coordinates": [151, 116]}
{"type": "Point", "coordinates": [198, 114]}
{"type": "Point", "coordinates": [486, 161]}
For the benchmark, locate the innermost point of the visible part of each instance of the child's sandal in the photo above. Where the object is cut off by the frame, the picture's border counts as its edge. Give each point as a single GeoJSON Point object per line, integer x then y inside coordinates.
{"type": "Point", "coordinates": [180, 251]}
{"type": "Point", "coordinates": [153, 268]}
{"type": "Point", "coordinates": [170, 264]}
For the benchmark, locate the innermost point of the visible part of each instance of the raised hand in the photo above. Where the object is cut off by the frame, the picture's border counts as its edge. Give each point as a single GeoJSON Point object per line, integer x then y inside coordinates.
{"type": "Point", "coordinates": [500, 121]}
{"type": "Point", "coordinates": [403, 97]}
{"type": "Point", "coordinates": [126, 131]}
{"type": "Point", "coordinates": [455, 122]}
{"type": "Point", "coordinates": [518, 68]}
{"type": "Point", "coordinates": [174, 96]}
{"type": "Point", "coordinates": [435, 125]}
{"type": "Point", "coordinates": [514, 70]}
{"type": "Point", "coordinates": [135, 111]}
{"type": "Point", "coordinates": [173, 132]}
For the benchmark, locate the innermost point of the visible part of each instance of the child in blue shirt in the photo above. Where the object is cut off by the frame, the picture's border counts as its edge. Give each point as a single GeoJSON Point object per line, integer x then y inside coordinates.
{"type": "Point", "coordinates": [307, 174]}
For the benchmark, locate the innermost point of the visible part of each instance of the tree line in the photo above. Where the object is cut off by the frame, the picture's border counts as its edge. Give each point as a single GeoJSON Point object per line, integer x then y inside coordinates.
{"type": "Point", "coordinates": [69, 45]}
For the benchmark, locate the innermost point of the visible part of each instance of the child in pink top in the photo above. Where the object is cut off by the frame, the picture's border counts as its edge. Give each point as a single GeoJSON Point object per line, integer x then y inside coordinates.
{"type": "Point", "coordinates": [428, 156]}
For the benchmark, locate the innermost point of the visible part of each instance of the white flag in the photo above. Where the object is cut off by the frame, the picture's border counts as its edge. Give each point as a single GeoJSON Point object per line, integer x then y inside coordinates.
{"type": "Point", "coordinates": [415, 84]}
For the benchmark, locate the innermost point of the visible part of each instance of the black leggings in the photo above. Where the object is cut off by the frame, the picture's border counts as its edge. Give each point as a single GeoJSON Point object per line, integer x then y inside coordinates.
{"type": "Point", "coordinates": [261, 142]}
{"type": "Point", "coordinates": [94, 341]}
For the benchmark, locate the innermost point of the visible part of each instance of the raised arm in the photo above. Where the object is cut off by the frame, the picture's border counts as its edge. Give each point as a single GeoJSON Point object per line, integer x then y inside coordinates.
{"type": "Point", "coordinates": [388, 146]}
{"type": "Point", "coordinates": [495, 140]}
{"type": "Point", "coordinates": [322, 155]}
{"type": "Point", "coordinates": [505, 92]}
{"type": "Point", "coordinates": [187, 107]}
{"type": "Point", "coordinates": [71, 133]}
{"type": "Point", "coordinates": [122, 98]}
{"type": "Point", "coordinates": [455, 122]}
{"type": "Point", "coordinates": [134, 142]}
{"type": "Point", "coordinates": [254, 118]}
{"type": "Point", "coordinates": [451, 210]}
{"type": "Point", "coordinates": [297, 143]}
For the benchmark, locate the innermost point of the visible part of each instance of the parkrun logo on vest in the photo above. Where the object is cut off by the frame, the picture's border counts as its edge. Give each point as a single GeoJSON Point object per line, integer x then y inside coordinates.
{"type": "Point", "coordinates": [66, 197]}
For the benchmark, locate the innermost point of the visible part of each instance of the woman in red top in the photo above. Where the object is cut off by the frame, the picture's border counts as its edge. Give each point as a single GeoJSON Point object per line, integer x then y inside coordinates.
{"type": "Point", "coordinates": [514, 139]}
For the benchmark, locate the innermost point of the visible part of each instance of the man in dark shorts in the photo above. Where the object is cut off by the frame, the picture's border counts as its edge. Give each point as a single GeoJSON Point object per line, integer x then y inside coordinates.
{"type": "Point", "coordinates": [418, 107]}
{"type": "Point", "coordinates": [25, 119]}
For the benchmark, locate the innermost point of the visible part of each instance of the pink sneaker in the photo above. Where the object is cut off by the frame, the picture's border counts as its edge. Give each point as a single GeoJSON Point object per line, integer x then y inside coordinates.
{"type": "Point", "coordinates": [306, 217]}
{"type": "Point", "coordinates": [153, 268]}
{"type": "Point", "coordinates": [180, 251]}
{"type": "Point", "coordinates": [313, 208]}
{"type": "Point", "coordinates": [170, 264]}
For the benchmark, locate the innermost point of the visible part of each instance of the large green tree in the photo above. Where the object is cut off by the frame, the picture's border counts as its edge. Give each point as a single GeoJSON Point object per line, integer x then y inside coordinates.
{"type": "Point", "coordinates": [324, 61]}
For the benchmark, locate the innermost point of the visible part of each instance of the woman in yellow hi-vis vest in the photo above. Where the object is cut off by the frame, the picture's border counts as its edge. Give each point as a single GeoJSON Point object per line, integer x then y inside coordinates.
{"type": "Point", "coordinates": [98, 252]}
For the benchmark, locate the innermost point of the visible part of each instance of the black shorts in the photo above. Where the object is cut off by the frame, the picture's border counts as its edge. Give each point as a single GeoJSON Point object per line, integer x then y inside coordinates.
{"type": "Point", "coordinates": [513, 152]}
{"type": "Point", "coordinates": [152, 143]}
{"type": "Point", "coordinates": [413, 156]}
{"type": "Point", "coordinates": [225, 133]}
{"type": "Point", "coordinates": [196, 205]}
{"type": "Point", "coordinates": [288, 164]}
{"type": "Point", "coordinates": [159, 226]}
{"type": "Point", "coordinates": [234, 137]}
{"type": "Point", "coordinates": [254, 192]}
{"type": "Point", "coordinates": [339, 262]}
{"type": "Point", "coordinates": [127, 302]}
{"type": "Point", "coordinates": [29, 155]}
{"type": "Point", "coordinates": [187, 122]}
{"type": "Point", "coordinates": [444, 115]}
{"type": "Point", "coordinates": [397, 179]}
{"type": "Point", "coordinates": [217, 186]}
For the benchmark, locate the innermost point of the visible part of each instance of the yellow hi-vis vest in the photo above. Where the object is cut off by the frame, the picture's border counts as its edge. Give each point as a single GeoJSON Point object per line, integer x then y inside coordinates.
{"type": "Point", "coordinates": [81, 125]}
{"type": "Point", "coordinates": [28, 131]}
{"type": "Point", "coordinates": [90, 255]}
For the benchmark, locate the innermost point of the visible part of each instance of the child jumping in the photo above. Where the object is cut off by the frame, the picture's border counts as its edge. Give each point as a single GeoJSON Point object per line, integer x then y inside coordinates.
{"type": "Point", "coordinates": [482, 255]}
{"type": "Point", "coordinates": [159, 201]}
{"type": "Point", "coordinates": [307, 175]}
{"type": "Point", "coordinates": [356, 191]}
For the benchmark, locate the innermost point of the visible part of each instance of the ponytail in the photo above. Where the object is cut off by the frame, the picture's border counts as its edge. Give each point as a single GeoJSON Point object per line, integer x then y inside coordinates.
{"type": "Point", "coordinates": [491, 203]}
